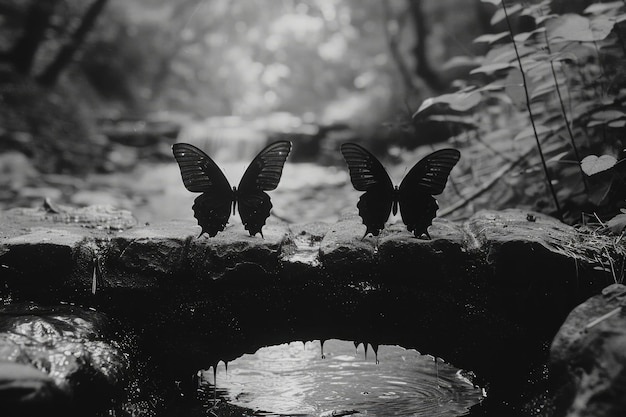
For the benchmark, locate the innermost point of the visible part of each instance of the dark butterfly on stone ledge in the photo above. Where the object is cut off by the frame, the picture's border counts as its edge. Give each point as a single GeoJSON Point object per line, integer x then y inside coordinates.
{"type": "Point", "coordinates": [414, 196]}
{"type": "Point", "coordinates": [212, 208]}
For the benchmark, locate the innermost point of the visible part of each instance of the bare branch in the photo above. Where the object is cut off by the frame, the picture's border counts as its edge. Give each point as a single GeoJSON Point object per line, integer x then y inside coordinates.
{"type": "Point", "coordinates": [38, 18]}
{"type": "Point", "coordinates": [65, 55]}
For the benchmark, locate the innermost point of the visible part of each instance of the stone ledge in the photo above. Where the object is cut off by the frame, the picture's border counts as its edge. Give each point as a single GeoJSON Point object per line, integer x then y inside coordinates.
{"type": "Point", "coordinates": [172, 248]}
{"type": "Point", "coordinates": [487, 295]}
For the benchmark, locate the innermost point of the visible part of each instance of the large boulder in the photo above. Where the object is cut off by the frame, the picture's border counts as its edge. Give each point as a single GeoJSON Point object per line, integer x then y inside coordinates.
{"type": "Point", "coordinates": [26, 391]}
{"type": "Point", "coordinates": [588, 357]}
{"type": "Point", "coordinates": [60, 359]}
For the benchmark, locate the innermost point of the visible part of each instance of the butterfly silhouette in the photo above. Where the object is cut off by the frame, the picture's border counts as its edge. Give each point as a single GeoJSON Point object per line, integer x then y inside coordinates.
{"type": "Point", "coordinates": [212, 208]}
{"type": "Point", "coordinates": [414, 196]}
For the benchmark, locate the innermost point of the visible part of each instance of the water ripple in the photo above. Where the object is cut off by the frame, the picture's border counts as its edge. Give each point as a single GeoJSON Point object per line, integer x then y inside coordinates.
{"type": "Point", "coordinates": [293, 379]}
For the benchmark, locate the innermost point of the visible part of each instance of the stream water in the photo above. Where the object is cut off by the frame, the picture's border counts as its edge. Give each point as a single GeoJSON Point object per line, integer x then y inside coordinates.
{"type": "Point", "coordinates": [294, 379]}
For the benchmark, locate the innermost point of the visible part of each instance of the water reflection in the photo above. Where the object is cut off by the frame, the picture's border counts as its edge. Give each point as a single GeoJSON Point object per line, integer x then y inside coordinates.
{"type": "Point", "coordinates": [293, 379]}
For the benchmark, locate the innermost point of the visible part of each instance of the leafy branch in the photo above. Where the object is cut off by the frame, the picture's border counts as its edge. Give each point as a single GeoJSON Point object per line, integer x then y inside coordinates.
{"type": "Point", "coordinates": [532, 118]}
{"type": "Point", "coordinates": [485, 186]}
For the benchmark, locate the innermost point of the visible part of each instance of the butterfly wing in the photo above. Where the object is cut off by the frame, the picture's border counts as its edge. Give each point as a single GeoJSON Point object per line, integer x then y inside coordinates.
{"type": "Point", "coordinates": [418, 210]}
{"type": "Point", "coordinates": [368, 174]}
{"type": "Point", "coordinates": [263, 174]}
{"type": "Point", "coordinates": [254, 209]}
{"type": "Point", "coordinates": [374, 208]}
{"type": "Point", "coordinates": [212, 212]}
{"type": "Point", "coordinates": [428, 177]}
{"type": "Point", "coordinates": [366, 171]}
{"type": "Point", "coordinates": [201, 175]}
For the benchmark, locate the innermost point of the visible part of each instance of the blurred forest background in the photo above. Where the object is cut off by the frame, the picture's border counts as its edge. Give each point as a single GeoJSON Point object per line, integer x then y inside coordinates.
{"type": "Point", "coordinates": [94, 92]}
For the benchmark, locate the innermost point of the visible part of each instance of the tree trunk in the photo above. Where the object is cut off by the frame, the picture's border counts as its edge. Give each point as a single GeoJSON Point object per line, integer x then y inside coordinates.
{"type": "Point", "coordinates": [394, 47]}
{"type": "Point", "coordinates": [22, 55]}
{"type": "Point", "coordinates": [423, 68]}
{"type": "Point", "coordinates": [179, 18]}
{"type": "Point", "coordinates": [51, 74]}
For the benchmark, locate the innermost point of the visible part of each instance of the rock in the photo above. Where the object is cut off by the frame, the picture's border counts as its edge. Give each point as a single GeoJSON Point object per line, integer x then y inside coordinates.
{"type": "Point", "coordinates": [139, 133]}
{"type": "Point", "coordinates": [60, 356]}
{"type": "Point", "coordinates": [121, 158]}
{"type": "Point", "coordinates": [167, 249]}
{"type": "Point", "coordinates": [540, 263]}
{"type": "Point", "coordinates": [338, 413]}
{"type": "Point", "coordinates": [84, 198]}
{"type": "Point", "coordinates": [305, 244]}
{"type": "Point", "coordinates": [437, 258]}
{"type": "Point", "coordinates": [344, 250]}
{"type": "Point", "coordinates": [27, 391]}
{"type": "Point", "coordinates": [16, 170]}
{"type": "Point", "coordinates": [588, 357]}
{"type": "Point", "coordinates": [96, 216]}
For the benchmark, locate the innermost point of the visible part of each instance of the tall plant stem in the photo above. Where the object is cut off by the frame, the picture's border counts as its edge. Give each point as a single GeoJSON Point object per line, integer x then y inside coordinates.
{"type": "Point", "coordinates": [567, 123]}
{"type": "Point", "coordinates": [569, 129]}
{"type": "Point", "coordinates": [532, 119]}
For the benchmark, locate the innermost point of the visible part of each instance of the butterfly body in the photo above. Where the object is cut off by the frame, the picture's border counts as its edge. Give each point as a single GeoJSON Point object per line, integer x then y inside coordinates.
{"type": "Point", "coordinates": [413, 198]}
{"type": "Point", "coordinates": [213, 207]}
{"type": "Point", "coordinates": [395, 198]}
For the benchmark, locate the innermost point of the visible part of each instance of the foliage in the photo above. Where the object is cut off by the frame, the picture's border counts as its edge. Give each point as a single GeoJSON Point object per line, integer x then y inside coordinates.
{"type": "Point", "coordinates": [220, 57]}
{"type": "Point", "coordinates": [328, 58]}
{"type": "Point", "coordinates": [40, 39]}
{"type": "Point", "coordinates": [592, 164]}
{"type": "Point", "coordinates": [561, 83]}
{"type": "Point", "coordinates": [321, 60]}
{"type": "Point", "coordinates": [32, 120]}
{"type": "Point", "coordinates": [44, 121]}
